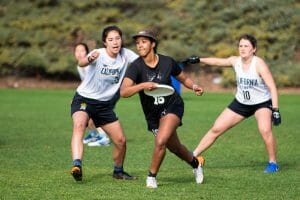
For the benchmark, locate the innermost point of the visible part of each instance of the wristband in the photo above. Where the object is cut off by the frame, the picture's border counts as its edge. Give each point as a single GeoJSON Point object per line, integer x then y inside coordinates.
{"type": "Point", "coordinates": [89, 59]}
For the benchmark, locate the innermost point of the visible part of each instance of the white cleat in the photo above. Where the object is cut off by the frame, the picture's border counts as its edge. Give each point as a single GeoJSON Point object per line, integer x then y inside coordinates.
{"type": "Point", "coordinates": [105, 141]}
{"type": "Point", "coordinates": [151, 182]}
{"type": "Point", "coordinates": [199, 174]}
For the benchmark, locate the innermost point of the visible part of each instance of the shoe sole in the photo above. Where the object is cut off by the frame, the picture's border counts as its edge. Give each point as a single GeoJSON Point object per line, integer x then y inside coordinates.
{"type": "Point", "coordinates": [123, 178]}
{"type": "Point", "coordinates": [150, 187]}
{"type": "Point", "coordinates": [76, 173]}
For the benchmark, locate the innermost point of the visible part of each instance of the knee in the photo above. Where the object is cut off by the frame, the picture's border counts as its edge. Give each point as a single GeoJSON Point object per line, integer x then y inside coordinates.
{"type": "Point", "coordinates": [79, 127]}
{"type": "Point", "coordinates": [215, 131]}
{"type": "Point", "coordinates": [266, 133]}
{"type": "Point", "coordinates": [120, 141]}
{"type": "Point", "coordinates": [160, 144]}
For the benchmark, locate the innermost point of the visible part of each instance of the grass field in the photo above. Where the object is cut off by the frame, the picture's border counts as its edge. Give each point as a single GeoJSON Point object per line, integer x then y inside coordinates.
{"type": "Point", "coordinates": [35, 128]}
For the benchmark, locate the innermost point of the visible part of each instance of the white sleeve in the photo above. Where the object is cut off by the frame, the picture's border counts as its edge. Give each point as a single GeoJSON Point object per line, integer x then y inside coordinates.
{"type": "Point", "coordinates": [81, 72]}
{"type": "Point", "coordinates": [130, 55]}
{"type": "Point", "coordinates": [100, 54]}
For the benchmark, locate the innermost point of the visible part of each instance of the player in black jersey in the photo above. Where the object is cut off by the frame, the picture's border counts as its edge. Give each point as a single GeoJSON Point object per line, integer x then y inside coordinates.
{"type": "Point", "coordinates": [163, 113]}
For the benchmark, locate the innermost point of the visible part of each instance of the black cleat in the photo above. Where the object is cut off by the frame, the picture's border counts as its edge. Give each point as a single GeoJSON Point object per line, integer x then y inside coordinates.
{"type": "Point", "coordinates": [123, 175]}
{"type": "Point", "coordinates": [76, 172]}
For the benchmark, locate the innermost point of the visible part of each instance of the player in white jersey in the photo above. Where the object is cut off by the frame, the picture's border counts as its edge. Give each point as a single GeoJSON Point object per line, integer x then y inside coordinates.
{"type": "Point", "coordinates": [97, 96]}
{"type": "Point", "coordinates": [95, 136]}
{"type": "Point", "coordinates": [256, 95]}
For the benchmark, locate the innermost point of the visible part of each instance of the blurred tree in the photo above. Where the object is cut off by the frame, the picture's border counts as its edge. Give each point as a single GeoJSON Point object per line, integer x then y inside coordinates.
{"type": "Point", "coordinates": [40, 34]}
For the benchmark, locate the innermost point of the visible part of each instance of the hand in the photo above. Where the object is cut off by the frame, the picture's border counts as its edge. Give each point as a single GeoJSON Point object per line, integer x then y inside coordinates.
{"type": "Point", "coordinates": [94, 55]}
{"type": "Point", "coordinates": [198, 90]}
{"type": "Point", "coordinates": [149, 85]}
{"type": "Point", "coordinates": [276, 118]}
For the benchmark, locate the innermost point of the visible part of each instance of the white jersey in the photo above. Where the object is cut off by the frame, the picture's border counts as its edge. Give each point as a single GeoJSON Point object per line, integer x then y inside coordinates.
{"type": "Point", "coordinates": [251, 88]}
{"type": "Point", "coordinates": [104, 76]}
{"type": "Point", "coordinates": [82, 71]}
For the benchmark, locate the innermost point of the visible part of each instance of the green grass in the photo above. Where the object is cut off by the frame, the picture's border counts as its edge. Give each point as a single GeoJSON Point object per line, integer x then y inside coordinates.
{"type": "Point", "coordinates": [35, 158]}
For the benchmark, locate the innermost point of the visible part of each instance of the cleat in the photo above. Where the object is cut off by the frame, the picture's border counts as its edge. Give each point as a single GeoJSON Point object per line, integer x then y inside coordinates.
{"type": "Point", "coordinates": [271, 167]}
{"type": "Point", "coordinates": [201, 160]}
{"type": "Point", "coordinates": [76, 172]}
{"type": "Point", "coordinates": [123, 175]}
{"type": "Point", "coordinates": [105, 141]}
{"type": "Point", "coordinates": [91, 137]}
{"type": "Point", "coordinates": [151, 182]}
{"type": "Point", "coordinates": [199, 176]}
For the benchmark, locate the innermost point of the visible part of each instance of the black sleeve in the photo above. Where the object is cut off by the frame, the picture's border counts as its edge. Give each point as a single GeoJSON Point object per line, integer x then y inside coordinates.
{"type": "Point", "coordinates": [132, 71]}
{"type": "Point", "coordinates": [176, 69]}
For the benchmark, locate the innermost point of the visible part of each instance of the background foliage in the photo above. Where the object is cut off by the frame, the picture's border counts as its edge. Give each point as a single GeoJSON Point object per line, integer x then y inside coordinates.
{"type": "Point", "coordinates": [37, 36]}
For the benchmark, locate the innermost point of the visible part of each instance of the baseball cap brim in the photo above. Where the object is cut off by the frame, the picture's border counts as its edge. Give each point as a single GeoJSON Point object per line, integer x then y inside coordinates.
{"type": "Point", "coordinates": [145, 34]}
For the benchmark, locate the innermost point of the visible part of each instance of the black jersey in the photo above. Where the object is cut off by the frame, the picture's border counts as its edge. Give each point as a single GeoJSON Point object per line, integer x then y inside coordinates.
{"type": "Point", "coordinates": [166, 67]}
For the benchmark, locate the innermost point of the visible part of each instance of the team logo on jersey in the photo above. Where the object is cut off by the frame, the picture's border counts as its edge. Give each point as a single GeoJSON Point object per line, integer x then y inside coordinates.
{"type": "Point", "coordinates": [83, 106]}
{"type": "Point", "coordinates": [155, 76]}
{"type": "Point", "coordinates": [248, 82]}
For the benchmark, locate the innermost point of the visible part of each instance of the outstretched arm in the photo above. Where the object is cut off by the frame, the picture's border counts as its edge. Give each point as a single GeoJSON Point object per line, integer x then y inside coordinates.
{"type": "Point", "coordinates": [189, 83]}
{"type": "Point", "coordinates": [220, 62]}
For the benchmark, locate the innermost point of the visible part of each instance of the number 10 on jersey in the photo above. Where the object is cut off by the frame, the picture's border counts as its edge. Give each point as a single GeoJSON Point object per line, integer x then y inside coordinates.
{"type": "Point", "coordinates": [246, 95]}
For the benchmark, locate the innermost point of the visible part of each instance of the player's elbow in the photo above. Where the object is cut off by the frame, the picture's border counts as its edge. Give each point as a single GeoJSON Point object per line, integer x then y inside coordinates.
{"type": "Point", "coordinates": [124, 93]}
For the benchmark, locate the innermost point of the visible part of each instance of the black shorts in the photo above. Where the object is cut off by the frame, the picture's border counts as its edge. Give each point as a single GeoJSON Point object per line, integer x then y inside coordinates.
{"type": "Point", "coordinates": [153, 119]}
{"type": "Point", "coordinates": [248, 110]}
{"type": "Point", "coordinates": [101, 112]}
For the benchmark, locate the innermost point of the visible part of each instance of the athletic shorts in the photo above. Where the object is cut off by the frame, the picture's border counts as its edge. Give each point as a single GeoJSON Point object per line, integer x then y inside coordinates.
{"type": "Point", "coordinates": [101, 112]}
{"type": "Point", "coordinates": [153, 119]}
{"type": "Point", "coordinates": [248, 110]}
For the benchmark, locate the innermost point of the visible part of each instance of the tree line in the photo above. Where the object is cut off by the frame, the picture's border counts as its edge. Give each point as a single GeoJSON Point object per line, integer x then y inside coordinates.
{"type": "Point", "coordinates": [37, 36]}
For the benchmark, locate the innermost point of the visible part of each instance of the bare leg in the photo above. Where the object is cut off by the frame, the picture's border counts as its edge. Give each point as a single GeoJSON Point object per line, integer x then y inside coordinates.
{"type": "Point", "coordinates": [179, 149]}
{"type": "Point", "coordinates": [80, 121]}
{"type": "Point", "coordinates": [225, 121]}
{"type": "Point", "coordinates": [263, 118]}
{"type": "Point", "coordinates": [167, 127]}
{"type": "Point", "coordinates": [115, 132]}
{"type": "Point", "coordinates": [91, 125]}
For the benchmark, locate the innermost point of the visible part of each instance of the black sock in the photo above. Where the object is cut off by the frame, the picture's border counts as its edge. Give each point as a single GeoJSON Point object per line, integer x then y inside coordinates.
{"type": "Point", "coordinates": [77, 162]}
{"type": "Point", "coordinates": [151, 175]}
{"type": "Point", "coordinates": [118, 169]}
{"type": "Point", "coordinates": [194, 163]}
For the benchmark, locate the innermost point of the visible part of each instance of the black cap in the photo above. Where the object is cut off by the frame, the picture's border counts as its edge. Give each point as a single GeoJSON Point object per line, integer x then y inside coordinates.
{"type": "Point", "coordinates": [145, 33]}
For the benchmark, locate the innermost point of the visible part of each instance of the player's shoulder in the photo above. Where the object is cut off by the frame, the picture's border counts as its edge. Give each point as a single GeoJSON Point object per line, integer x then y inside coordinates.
{"type": "Point", "coordinates": [161, 56]}
{"type": "Point", "coordinates": [99, 49]}
{"type": "Point", "coordinates": [125, 50]}
{"type": "Point", "coordinates": [233, 59]}
{"type": "Point", "coordinates": [166, 59]}
{"type": "Point", "coordinates": [128, 53]}
{"type": "Point", "coordinates": [137, 62]}
{"type": "Point", "coordinates": [259, 60]}
{"type": "Point", "coordinates": [261, 65]}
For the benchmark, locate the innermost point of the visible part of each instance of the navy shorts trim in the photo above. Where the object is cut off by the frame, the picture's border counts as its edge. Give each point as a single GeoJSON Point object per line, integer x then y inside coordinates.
{"type": "Point", "coordinates": [248, 110]}
{"type": "Point", "coordinates": [153, 120]}
{"type": "Point", "coordinates": [101, 112]}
